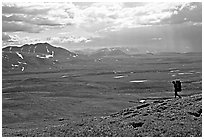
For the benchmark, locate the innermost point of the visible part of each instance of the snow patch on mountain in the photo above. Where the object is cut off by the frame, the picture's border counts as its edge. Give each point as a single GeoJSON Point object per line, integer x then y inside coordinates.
{"type": "Point", "coordinates": [20, 55]}
{"type": "Point", "coordinates": [22, 63]}
{"type": "Point", "coordinates": [23, 68]}
{"type": "Point", "coordinates": [14, 65]}
{"type": "Point", "coordinates": [46, 56]}
{"type": "Point", "coordinates": [34, 49]}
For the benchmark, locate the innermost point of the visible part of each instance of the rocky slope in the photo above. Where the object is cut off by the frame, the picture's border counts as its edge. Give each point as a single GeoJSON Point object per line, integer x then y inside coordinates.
{"type": "Point", "coordinates": [168, 118]}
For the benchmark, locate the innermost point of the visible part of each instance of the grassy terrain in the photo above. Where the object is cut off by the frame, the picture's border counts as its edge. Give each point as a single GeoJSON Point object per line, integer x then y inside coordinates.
{"type": "Point", "coordinates": [158, 118]}
{"type": "Point", "coordinates": [78, 91]}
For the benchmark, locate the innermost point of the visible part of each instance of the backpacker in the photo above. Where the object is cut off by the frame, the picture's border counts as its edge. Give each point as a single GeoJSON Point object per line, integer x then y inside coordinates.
{"type": "Point", "coordinates": [178, 86]}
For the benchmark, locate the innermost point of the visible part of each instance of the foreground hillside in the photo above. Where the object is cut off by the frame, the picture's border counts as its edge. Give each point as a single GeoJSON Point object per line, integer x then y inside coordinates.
{"type": "Point", "coordinates": [159, 117]}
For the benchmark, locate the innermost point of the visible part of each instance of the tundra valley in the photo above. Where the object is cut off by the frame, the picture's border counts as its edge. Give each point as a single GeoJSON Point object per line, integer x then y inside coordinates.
{"type": "Point", "coordinates": [50, 91]}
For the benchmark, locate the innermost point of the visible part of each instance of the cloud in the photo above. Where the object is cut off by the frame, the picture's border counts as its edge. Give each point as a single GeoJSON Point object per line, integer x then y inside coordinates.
{"type": "Point", "coordinates": [156, 25]}
{"type": "Point", "coordinates": [190, 12]}
{"type": "Point", "coordinates": [19, 8]}
{"type": "Point", "coordinates": [116, 16]}
{"type": "Point", "coordinates": [30, 19]}
{"type": "Point", "coordinates": [19, 27]}
{"type": "Point", "coordinates": [156, 39]}
{"type": "Point", "coordinates": [5, 37]}
{"type": "Point", "coordinates": [70, 39]}
{"type": "Point", "coordinates": [16, 40]}
{"type": "Point", "coordinates": [9, 39]}
{"type": "Point", "coordinates": [100, 16]}
{"type": "Point", "coordinates": [36, 16]}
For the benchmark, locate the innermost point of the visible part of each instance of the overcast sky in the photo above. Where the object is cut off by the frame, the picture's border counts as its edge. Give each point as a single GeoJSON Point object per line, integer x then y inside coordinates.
{"type": "Point", "coordinates": [155, 26]}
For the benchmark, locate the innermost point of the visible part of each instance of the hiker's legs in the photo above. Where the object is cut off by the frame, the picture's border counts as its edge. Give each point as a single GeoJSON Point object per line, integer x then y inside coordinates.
{"type": "Point", "coordinates": [175, 93]}
{"type": "Point", "coordinates": [178, 95]}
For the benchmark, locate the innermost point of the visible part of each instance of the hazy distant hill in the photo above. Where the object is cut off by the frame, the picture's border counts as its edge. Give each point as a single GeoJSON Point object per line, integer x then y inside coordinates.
{"type": "Point", "coordinates": [34, 56]}
{"type": "Point", "coordinates": [109, 52]}
{"type": "Point", "coordinates": [129, 50]}
{"type": "Point", "coordinates": [87, 51]}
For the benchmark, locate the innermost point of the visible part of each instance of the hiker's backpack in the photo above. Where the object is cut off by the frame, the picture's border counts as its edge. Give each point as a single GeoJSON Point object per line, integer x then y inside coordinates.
{"type": "Point", "coordinates": [178, 85]}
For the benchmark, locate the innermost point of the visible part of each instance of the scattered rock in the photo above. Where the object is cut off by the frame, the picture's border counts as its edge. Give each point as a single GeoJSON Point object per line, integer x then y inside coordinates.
{"type": "Point", "coordinates": [198, 99]}
{"type": "Point", "coordinates": [131, 115]}
{"type": "Point", "coordinates": [142, 106]}
{"type": "Point", "coordinates": [199, 111]}
{"type": "Point", "coordinates": [126, 113]}
{"type": "Point", "coordinates": [195, 118]}
{"type": "Point", "coordinates": [61, 119]}
{"type": "Point", "coordinates": [172, 119]}
{"type": "Point", "coordinates": [131, 101]}
{"type": "Point", "coordinates": [80, 124]}
{"type": "Point", "coordinates": [158, 110]}
{"type": "Point", "coordinates": [142, 101]}
{"type": "Point", "coordinates": [115, 114]}
{"type": "Point", "coordinates": [19, 134]}
{"type": "Point", "coordinates": [105, 117]}
{"type": "Point", "coordinates": [158, 101]}
{"type": "Point", "coordinates": [136, 124]}
{"type": "Point", "coordinates": [163, 104]}
{"type": "Point", "coordinates": [182, 123]}
{"type": "Point", "coordinates": [111, 122]}
{"type": "Point", "coordinates": [162, 107]}
{"type": "Point", "coordinates": [196, 114]}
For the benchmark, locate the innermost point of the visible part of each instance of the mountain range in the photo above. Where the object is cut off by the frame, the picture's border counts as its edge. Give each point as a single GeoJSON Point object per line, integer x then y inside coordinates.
{"type": "Point", "coordinates": [43, 56]}
{"type": "Point", "coordinates": [38, 56]}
